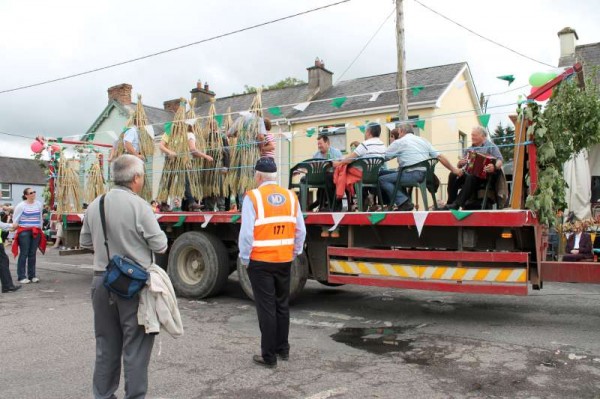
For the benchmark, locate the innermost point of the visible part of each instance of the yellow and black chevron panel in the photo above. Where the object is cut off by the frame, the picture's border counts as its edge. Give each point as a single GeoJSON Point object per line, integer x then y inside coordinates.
{"type": "Point", "coordinates": [449, 273]}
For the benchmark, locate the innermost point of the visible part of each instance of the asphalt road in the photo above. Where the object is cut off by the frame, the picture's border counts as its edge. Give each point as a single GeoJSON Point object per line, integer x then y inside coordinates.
{"type": "Point", "coordinates": [347, 342]}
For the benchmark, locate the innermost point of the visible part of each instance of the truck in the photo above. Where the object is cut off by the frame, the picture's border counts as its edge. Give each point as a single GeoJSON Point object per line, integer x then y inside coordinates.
{"type": "Point", "coordinates": [487, 251]}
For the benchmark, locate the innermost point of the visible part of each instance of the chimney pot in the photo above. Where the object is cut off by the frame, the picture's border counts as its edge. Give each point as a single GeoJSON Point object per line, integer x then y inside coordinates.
{"type": "Point", "coordinates": [206, 86]}
{"type": "Point", "coordinates": [199, 84]}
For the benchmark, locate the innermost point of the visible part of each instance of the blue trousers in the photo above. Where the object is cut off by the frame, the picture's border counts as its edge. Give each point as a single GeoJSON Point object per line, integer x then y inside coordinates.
{"type": "Point", "coordinates": [28, 246]}
{"type": "Point", "coordinates": [388, 181]}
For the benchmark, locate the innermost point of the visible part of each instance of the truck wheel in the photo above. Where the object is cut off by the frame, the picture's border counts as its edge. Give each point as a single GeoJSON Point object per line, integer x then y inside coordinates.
{"type": "Point", "coordinates": [198, 265]}
{"type": "Point", "coordinates": [297, 278]}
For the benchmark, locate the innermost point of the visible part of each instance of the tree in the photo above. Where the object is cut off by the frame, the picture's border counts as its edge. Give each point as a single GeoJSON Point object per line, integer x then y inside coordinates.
{"type": "Point", "coordinates": [504, 138]}
{"type": "Point", "coordinates": [287, 82]}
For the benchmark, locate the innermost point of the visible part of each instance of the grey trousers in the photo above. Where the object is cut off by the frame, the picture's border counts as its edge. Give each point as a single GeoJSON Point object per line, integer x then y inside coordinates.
{"type": "Point", "coordinates": [118, 334]}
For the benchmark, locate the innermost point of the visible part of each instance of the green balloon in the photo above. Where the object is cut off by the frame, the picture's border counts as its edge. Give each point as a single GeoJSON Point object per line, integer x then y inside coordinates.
{"type": "Point", "coordinates": [541, 78]}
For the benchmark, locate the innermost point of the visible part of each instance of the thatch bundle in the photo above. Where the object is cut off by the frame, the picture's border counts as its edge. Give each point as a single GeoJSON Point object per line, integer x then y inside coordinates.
{"type": "Point", "coordinates": [95, 182]}
{"type": "Point", "coordinates": [172, 181]}
{"type": "Point", "coordinates": [211, 175]}
{"type": "Point", "coordinates": [196, 168]}
{"type": "Point", "coordinates": [246, 151]}
{"type": "Point", "coordinates": [67, 197]}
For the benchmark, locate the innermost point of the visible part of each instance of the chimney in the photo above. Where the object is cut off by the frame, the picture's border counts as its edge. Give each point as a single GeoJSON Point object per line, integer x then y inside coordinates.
{"type": "Point", "coordinates": [567, 37]}
{"type": "Point", "coordinates": [202, 94]}
{"type": "Point", "coordinates": [172, 105]}
{"type": "Point", "coordinates": [319, 77]}
{"type": "Point", "coordinates": [120, 93]}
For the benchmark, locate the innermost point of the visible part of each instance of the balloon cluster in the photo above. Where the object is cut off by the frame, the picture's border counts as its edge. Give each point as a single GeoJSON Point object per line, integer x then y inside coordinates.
{"type": "Point", "coordinates": [537, 80]}
{"type": "Point", "coordinates": [40, 144]}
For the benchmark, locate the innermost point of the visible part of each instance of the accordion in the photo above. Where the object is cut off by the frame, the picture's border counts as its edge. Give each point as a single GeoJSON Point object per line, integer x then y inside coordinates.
{"type": "Point", "coordinates": [477, 163]}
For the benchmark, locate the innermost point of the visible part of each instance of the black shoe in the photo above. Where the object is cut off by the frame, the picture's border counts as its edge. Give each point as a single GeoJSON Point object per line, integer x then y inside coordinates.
{"type": "Point", "coordinates": [406, 206]}
{"type": "Point", "coordinates": [284, 356]}
{"type": "Point", "coordinates": [452, 205]}
{"type": "Point", "coordinates": [11, 289]}
{"type": "Point", "coordinates": [258, 359]}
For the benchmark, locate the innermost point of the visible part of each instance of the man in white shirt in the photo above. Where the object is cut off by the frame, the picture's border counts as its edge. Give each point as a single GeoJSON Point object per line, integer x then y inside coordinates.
{"type": "Point", "coordinates": [372, 146]}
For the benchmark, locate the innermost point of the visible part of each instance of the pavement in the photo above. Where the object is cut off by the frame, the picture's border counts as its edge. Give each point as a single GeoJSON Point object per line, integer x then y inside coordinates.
{"type": "Point", "coordinates": [347, 342]}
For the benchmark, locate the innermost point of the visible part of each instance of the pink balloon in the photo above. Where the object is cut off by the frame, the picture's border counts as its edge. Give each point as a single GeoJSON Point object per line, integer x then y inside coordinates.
{"type": "Point", "coordinates": [544, 96]}
{"type": "Point", "coordinates": [37, 147]}
{"type": "Point", "coordinates": [55, 148]}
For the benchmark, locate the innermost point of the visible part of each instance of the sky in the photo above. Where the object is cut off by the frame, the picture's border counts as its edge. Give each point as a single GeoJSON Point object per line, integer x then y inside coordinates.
{"type": "Point", "coordinates": [43, 40]}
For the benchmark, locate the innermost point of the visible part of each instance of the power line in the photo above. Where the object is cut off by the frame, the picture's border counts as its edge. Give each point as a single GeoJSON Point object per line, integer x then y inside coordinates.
{"type": "Point", "coordinates": [173, 49]}
{"type": "Point", "coordinates": [483, 37]}
{"type": "Point", "coordinates": [365, 46]}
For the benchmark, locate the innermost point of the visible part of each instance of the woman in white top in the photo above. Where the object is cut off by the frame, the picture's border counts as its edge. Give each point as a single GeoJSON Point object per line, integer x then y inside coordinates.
{"type": "Point", "coordinates": [28, 222]}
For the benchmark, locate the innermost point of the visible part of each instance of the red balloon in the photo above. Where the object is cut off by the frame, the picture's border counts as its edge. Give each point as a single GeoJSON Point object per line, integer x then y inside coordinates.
{"type": "Point", "coordinates": [37, 147]}
{"type": "Point", "coordinates": [544, 96]}
{"type": "Point", "coordinates": [55, 148]}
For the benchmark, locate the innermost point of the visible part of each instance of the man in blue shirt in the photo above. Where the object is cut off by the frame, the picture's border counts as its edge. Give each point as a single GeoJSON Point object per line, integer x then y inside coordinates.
{"type": "Point", "coordinates": [409, 150]}
{"type": "Point", "coordinates": [325, 150]}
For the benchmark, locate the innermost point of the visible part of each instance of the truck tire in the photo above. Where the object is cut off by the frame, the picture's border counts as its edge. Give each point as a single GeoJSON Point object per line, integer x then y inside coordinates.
{"type": "Point", "coordinates": [198, 265]}
{"type": "Point", "coordinates": [298, 277]}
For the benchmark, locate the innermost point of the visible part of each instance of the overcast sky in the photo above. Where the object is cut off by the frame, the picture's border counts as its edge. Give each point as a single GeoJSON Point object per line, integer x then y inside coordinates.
{"type": "Point", "coordinates": [42, 40]}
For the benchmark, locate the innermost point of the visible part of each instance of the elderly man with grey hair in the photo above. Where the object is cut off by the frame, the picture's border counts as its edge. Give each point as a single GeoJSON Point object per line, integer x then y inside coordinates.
{"type": "Point", "coordinates": [466, 183]}
{"type": "Point", "coordinates": [410, 150]}
{"type": "Point", "coordinates": [134, 233]}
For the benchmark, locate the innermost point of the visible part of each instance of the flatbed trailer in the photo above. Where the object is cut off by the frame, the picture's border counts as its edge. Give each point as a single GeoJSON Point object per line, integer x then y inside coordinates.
{"type": "Point", "coordinates": [484, 252]}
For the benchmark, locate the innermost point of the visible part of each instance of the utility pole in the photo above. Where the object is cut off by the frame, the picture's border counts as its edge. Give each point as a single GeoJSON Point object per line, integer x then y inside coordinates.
{"type": "Point", "coordinates": [401, 75]}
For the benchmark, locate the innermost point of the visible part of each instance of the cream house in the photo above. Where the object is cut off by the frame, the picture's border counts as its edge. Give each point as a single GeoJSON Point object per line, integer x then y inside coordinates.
{"type": "Point", "coordinates": [442, 97]}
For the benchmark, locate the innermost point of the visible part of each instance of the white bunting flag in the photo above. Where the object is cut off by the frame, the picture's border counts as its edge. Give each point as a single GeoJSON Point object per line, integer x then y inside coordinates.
{"type": "Point", "coordinates": [337, 218]}
{"type": "Point", "coordinates": [206, 220]}
{"type": "Point", "coordinates": [460, 84]}
{"type": "Point", "coordinates": [420, 217]}
{"type": "Point", "coordinates": [246, 114]}
{"type": "Point", "coordinates": [451, 123]}
{"type": "Point", "coordinates": [190, 122]}
{"type": "Point", "coordinates": [81, 215]}
{"type": "Point", "coordinates": [288, 135]}
{"type": "Point", "coordinates": [302, 106]}
{"type": "Point", "coordinates": [112, 134]}
{"type": "Point", "coordinates": [374, 96]}
{"type": "Point", "coordinates": [150, 130]}
{"type": "Point", "coordinates": [390, 125]}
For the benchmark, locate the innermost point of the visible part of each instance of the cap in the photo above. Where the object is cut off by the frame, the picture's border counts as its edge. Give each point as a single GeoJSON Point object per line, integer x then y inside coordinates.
{"type": "Point", "coordinates": [266, 165]}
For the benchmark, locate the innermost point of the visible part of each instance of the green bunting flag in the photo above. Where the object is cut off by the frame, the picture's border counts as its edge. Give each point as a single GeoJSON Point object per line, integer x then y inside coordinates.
{"type": "Point", "coordinates": [508, 78]}
{"type": "Point", "coordinates": [235, 218]}
{"type": "Point", "coordinates": [219, 119]}
{"type": "Point", "coordinates": [416, 90]}
{"type": "Point", "coordinates": [276, 111]}
{"type": "Point", "coordinates": [304, 216]}
{"type": "Point", "coordinates": [338, 102]}
{"type": "Point", "coordinates": [460, 215]}
{"type": "Point", "coordinates": [376, 217]}
{"type": "Point", "coordinates": [59, 140]}
{"type": "Point", "coordinates": [168, 126]}
{"type": "Point", "coordinates": [362, 128]}
{"type": "Point", "coordinates": [310, 132]}
{"type": "Point", "coordinates": [484, 119]}
{"type": "Point", "coordinates": [180, 221]}
{"type": "Point", "coordinates": [420, 124]}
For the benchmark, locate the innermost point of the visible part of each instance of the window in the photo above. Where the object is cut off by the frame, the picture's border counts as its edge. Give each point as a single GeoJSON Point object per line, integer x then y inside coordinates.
{"type": "Point", "coordinates": [462, 139]}
{"type": "Point", "coordinates": [336, 134]}
{"type": "Point", "coordinates": [5, 191]}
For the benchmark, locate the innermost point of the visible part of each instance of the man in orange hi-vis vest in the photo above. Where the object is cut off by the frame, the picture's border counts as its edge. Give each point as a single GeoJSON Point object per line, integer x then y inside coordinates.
{"type": "Point", "coordinates": [271, 236]}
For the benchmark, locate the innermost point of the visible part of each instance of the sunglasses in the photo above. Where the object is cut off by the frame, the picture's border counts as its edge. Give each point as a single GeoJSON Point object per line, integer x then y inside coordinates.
{"type": "Point", "coordinates": [31, 192]}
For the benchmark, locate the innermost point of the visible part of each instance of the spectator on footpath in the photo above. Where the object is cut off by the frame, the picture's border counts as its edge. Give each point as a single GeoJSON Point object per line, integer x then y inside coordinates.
{"type": "Point", "coordinates": [5, 277]}
{"type": "Point", "coordinates": [134, 233]}
{"type": "Point", "coordinates": [579, 245]}
{"type": "Point", "coordinates": [271, 236]}
{"type": "Point", "coordinates": [29, 236]}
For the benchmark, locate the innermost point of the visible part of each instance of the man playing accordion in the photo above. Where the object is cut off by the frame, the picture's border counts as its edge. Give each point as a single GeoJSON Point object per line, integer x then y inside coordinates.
{"type": "Point", "coordinates": [482, 160]}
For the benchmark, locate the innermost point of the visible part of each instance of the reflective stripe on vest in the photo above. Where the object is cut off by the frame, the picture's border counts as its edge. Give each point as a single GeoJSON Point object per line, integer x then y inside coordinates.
{"type": "Point", "coordinates": [275, 224]}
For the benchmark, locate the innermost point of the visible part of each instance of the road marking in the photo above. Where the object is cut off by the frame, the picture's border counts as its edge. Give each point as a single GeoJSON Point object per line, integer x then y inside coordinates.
{"type": "Point", "coordinates": [328, 394]}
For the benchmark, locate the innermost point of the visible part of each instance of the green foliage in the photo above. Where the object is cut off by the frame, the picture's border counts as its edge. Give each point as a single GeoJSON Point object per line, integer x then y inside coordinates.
{"type": "Point", "coordinates": [287, 82]}
{"type": "Point", "coordinates": [569, 124]}
{"type": "Point", "coordinates": [504, 138]}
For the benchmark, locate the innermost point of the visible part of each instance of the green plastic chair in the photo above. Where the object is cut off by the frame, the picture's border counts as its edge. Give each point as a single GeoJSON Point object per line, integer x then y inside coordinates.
{"type": "Point", "coordinates": [427, 185]}
{"type": "Point", "coordinates": [315, 178]}
{"type": "Point", "coordinates": [370, 167]}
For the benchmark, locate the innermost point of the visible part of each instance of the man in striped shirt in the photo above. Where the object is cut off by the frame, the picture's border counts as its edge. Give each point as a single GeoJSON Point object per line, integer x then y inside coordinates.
{"type": "Point", "coordinates": [372, 146]}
